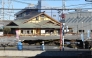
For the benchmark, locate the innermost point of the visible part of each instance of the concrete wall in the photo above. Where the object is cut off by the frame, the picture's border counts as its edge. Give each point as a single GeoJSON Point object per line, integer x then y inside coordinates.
{"type": "Point", "coordinates": [19, 53]}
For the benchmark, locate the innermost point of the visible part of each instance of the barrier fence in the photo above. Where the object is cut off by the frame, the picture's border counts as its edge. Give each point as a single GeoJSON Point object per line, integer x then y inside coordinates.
{"type": "Point", "coordinates": [30, 47]}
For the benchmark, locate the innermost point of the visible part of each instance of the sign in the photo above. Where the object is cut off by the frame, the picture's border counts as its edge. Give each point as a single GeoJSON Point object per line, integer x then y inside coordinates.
{"type": "Point", "coordinates": [1, 33]}
{"type": "Point", "coordinates": [88, 35]}
{"type": "Point", "coordinates": [17, 34]}
{"type": "Point", "coordinates": [42, 31]}
{"type": "Point", "coordinates": [82, 37]}
{"type": "Point", "coordinates": [63, 16]}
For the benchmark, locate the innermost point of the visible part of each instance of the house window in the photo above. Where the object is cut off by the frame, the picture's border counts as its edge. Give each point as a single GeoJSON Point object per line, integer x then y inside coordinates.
{"type": "Point", "coordinates": [37, 18]}
{"type": "Point", "coordinates": [51, 32]}
{"type": "Point", "coordinates": [42, 15]}
{"type": "Point", "coordinates": [27, 31]}
{"type": "Point", "coordinates": [22, 31]}
{"type": "Point", "coordinates": [70, 30]}
{"type": "Point", "coordinates": [30, 31]}
{"type": "Point", "coordinates": [81, 30]}
{"type": "Point", "coordinates": [54, 15]}
{"type": "Point", "coordinates": [91, 31]}
{"type": "Point", "coordinates": [46, 31]}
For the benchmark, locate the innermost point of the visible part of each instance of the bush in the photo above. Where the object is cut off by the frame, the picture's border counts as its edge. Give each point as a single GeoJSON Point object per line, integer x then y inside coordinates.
{"type": "Point", "coordinates": [6, 30]}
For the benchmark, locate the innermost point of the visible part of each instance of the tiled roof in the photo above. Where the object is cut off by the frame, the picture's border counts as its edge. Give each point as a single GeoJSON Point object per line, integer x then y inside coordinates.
{"type": "Point", "coordinates": [32, 14]}
{"type": "Point", "coordinates": [11, 26]}
{"type": "Point", "coordinates": [28, 25]}
{"type": "Point", "coordinates": [33, 25]}
{"type": "Point", "coordinates": [24, 24]}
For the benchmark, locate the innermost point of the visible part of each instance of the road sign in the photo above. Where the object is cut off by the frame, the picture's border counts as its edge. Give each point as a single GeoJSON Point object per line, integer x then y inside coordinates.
{"type": "Point", "coordinates": [88, 35]}
{"type": "Point", "coordinates": [82, 37]}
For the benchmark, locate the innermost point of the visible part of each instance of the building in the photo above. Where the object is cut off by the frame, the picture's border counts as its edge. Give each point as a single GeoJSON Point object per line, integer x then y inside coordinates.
{"type": "Point", "coordinates": [79, 21]}
{"type": "Point", "coordinates": [35, 25]}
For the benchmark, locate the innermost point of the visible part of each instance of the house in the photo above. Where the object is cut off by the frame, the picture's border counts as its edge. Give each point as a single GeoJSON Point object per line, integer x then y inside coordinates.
{"type": "Point", "coordinates": [35, 25]}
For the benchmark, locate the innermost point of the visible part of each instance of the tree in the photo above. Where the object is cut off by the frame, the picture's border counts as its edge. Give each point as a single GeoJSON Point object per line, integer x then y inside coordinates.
{"type": "Point", "coordinates": [7, 30]}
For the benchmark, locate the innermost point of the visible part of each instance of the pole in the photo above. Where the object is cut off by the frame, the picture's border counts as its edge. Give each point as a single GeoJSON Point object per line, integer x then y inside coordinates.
{"type": "Point", "coordinates": [63, 18]}
{"type": "Point", "coordinates": [77, 22]}
{"type": "Point", "coordinates": [3, 8]}
{"type": "Point", "coordinates": [83, 40]}
{"type": "Point", "coordinates": [60, 36]}
{"type": "Point", "coordinates": [63, 35]}
{"type": "Point", "coordinates": [51, 12]}
{"type": "Point", "coordinates": [2, 13]}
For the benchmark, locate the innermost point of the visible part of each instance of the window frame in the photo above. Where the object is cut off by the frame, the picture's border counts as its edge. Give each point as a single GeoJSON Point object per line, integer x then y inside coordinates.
{"type": "Point", "coordinates": [37, 18]}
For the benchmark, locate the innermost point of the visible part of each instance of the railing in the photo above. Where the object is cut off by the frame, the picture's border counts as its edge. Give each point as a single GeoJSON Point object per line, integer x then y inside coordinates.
{"type": "Point", "coordinates": [30, 47]}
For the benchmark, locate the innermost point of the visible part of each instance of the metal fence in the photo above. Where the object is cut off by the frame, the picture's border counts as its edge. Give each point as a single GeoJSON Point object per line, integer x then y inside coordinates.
{"type": "Point", "coordinates": [31, 47]}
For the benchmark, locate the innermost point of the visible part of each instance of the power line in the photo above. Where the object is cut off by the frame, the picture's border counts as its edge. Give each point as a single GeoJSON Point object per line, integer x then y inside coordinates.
{"type": "Point", "coordinates": [49, 0]}
{"type": "Point", "coordinates": [79, 4]}
{"type": "Point", "coordinates": [20, 2]}
{"type": "Point", "coordinates": [38, 9]}
{"type": "Point", "coordinates": [43, 0]}
{"type": "Point", "coordinates": [45, 9]}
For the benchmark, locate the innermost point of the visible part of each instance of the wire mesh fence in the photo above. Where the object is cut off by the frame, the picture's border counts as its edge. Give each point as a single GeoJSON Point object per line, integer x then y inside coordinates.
{"type": "Point", "coordinates": [30, 47]}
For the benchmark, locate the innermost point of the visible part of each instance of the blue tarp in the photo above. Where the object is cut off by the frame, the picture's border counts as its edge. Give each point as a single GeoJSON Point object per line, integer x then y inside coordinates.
{"type": "Point", "coordinates": [19, 46]}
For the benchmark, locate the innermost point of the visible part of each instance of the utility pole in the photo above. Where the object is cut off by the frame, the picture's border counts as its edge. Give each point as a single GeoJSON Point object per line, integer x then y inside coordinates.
{"type": "Point", "coordinates": [63, 18]}
{"type": "Point", "coordinates": [9, 2]}
{"type": "Point", "coordinates": [6, 14]}
{"type": "Point", "coordinates": [3, 9]}
{"type": "Point", "coordinates": [77, 20]}
{"type": "Point", "coordinates": [9, 5]}
{"type": "Point", "coordinates": [2, 13]}
{"type": "Point", "coordinates": [62, 24]}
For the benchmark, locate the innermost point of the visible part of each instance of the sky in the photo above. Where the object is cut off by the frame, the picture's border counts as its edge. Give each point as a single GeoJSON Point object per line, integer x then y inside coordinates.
{"type": "Point", "coordinates": [49, 3]}
{"type": "Point", "coordinates": [56, 3]}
